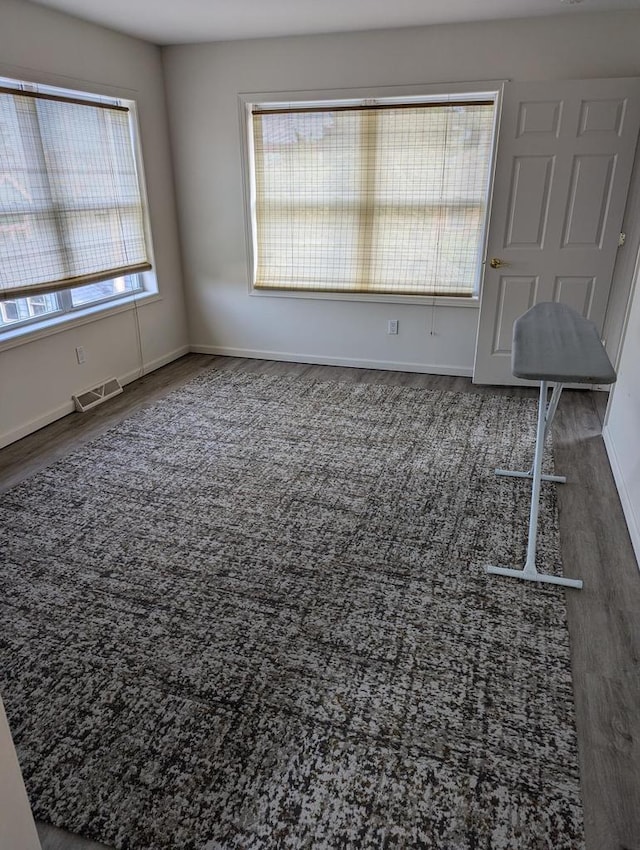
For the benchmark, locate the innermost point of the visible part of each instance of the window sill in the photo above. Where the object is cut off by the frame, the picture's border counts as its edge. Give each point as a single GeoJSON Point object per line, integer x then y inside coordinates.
{"type": "Point", "coordinates": [59, 324]}
{"type": "Point", "coordinates": [423, 300]}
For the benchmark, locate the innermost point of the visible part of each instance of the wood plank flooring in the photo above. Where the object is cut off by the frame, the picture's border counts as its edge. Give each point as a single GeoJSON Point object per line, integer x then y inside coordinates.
{"type": "Point", "coordinates": [604, 618]}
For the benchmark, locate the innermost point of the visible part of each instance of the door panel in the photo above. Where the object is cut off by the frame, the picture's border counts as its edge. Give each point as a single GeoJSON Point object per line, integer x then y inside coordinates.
{"type": "Point", "coordinates": [529, 201]}
{"type": "Point", "coordinates": [589, 196]}
{"type": "Point", "coordinates": [516, 296]}
{"type": "Point", "coordinates": [564, 159]}
{"type": "Point", "coordinates": [602, 116]}
{"type": "Point", "coordinates": [539, 117]}
{"type": "Point", "coordinates": [576, 292]}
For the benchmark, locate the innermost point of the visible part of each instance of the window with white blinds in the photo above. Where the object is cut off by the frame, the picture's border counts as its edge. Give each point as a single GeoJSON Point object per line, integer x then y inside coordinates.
{"type": "Point", "coordinates": [71, 205]}
{"type": "Point", "coordinates": [372, 199]}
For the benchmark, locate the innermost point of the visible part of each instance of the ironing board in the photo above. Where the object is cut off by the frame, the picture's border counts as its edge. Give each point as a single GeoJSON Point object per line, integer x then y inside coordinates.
{"type": "Point", "coordinates": [551, 343]}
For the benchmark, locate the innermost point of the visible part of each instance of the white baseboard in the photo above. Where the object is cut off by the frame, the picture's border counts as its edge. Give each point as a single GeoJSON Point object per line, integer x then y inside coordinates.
{"type": "Point", "coordinates": [36, 423]}
{"type": "Point", "coordinates": [633, 521]}
{"type": "Point", "coordinates": [152, 365]}
{"type": "Point", "coordinates": [359, 363]}
{"type": "Point", "coordinates": [69, 407]}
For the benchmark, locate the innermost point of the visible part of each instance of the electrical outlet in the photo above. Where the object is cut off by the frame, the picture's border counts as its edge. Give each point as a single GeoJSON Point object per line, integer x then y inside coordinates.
{"type": "Point", "coordinates": [80, 355]}
{"type": "Point", "coordinates": [392, 326]}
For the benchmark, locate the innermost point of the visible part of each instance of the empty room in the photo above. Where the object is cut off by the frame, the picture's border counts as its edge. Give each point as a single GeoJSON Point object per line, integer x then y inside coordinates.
{"type": "Point", "coordinates": [319, 425]}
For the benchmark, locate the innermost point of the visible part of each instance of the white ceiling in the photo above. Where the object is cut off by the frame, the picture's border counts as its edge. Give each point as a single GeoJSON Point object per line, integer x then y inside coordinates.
{"type": "Point", "coordinates": [182, 21]}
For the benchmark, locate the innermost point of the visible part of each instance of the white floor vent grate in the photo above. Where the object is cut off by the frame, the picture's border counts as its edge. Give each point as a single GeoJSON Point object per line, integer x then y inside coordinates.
{"type": "Point", "coordinates": [90, 398]}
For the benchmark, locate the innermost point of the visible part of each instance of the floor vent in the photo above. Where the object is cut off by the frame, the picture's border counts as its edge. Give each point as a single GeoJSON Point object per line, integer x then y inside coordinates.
{"type": "Point", "coordinates": [90, 398]}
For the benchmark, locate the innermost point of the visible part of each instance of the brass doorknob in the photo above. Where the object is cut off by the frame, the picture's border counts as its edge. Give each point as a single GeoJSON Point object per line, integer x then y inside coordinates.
{"type": "Point", "coordinates": [497, 263]}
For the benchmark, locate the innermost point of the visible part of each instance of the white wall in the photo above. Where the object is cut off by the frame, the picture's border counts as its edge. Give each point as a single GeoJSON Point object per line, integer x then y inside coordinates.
{"type": "Point", "coordinates": [17, 829]}
{"type": "Point", "coordinates": [37, 379]}
{"type": "Point", "coordinates": [203, 82]}
{"type": "Point", "coordinates": [622, 425]}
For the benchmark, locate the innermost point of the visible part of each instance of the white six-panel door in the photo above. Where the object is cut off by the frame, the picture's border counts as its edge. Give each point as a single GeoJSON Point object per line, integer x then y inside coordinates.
{"type": "Point", "coordinates": [564, 160]}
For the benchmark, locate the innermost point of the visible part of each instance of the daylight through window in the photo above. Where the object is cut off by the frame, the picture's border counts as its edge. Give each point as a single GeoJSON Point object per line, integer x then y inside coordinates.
{"type": "Point", "coordinates": [71, 205]}
{"type": "Point", "coordinates": [37, 309]}
{"type": "Point", "coordinates": [387, 199]}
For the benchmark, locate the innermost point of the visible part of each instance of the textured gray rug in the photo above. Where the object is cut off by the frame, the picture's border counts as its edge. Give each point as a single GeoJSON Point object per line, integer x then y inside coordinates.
{"type": "Point", "coordinates": [255, 616]}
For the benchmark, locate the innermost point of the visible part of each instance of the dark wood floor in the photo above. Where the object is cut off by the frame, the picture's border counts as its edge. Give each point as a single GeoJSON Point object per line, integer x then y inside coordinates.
{"type": "Point", "coordinates": [604, 618]}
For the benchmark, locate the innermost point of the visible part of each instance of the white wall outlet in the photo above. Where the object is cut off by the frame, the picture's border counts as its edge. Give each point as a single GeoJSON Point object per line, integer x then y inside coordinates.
{"type": "Point", "coordinates": [392, 326]}
{"type": "Point", "coordinates": [80, 354]}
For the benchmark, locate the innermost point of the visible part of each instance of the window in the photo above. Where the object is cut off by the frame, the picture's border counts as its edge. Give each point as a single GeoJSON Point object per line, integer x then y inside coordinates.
{"type": "Point", "coordinates": [375, 197]}
{"type": "Point", "coordinates": [73, 227]}
{"type": "Point", "coordinates": [18, 312]}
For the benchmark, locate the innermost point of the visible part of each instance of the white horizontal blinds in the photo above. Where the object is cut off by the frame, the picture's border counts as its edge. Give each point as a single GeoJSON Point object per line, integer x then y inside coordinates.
{"type": "Point", "coordinates": [381, 199]}
{"type": "Point", "coordinates": [71, 210]}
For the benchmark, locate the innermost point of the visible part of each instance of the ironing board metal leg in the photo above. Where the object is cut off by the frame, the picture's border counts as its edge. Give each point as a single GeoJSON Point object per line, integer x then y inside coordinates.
{"type": "Point", "coordinates": [529, 572]}
{"type": "Point", "coordinates": [509, 473]}
{"type": "Point", "coordinates": [530, 565]}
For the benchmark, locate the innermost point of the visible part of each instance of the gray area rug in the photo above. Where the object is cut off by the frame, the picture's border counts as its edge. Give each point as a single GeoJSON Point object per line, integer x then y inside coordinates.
{"type": "Point", "coordinates": [254, 615]}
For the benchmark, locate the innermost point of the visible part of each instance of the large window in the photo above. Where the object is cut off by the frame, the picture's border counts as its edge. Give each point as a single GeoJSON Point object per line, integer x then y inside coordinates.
{"type": "Point", "coordinates": [371, 198]}
{"type": "Point", "coordinates": [73, 230]}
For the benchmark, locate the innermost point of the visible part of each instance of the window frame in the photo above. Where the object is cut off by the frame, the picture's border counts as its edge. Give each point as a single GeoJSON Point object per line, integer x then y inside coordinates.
{"type": "Point", "coordinates": [65, 319]}
{"type": "Point", "coordinates": [60, 322]}
{"type": "Point", "coordinates": [411, 94]}
{"type": "Point", "coordinates": [66, 307]}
